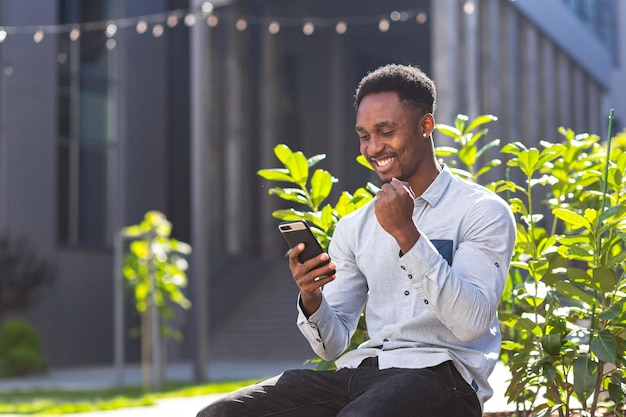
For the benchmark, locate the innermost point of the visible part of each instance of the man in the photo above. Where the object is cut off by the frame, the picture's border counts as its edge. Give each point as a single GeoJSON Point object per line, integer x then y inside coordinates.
{"type": "Point", "coordinates": [427, 259]}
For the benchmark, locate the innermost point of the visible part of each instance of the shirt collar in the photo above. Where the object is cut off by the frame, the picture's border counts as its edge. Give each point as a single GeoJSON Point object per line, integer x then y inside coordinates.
{"type": "Point", "coordinates": [437, 188]}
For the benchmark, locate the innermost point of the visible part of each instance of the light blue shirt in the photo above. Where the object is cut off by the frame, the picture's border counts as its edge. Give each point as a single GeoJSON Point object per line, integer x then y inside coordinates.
{"type": "Point", "coordinates": [429, 305]}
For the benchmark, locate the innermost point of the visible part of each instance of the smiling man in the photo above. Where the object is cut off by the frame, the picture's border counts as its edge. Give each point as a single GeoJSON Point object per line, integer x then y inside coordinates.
{"type": "Point", "coordinates": [427, 259]}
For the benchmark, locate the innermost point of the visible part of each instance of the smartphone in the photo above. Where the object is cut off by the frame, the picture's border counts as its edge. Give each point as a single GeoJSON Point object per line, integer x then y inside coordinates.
{"type": "Point", "coordinates": [298, 231]}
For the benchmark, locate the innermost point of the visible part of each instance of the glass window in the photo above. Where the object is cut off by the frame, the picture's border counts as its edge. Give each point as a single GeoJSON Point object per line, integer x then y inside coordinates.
{"type": "Point", "coordinates": [599, 15]}
{"type": "Point", "coordinates": [85, 128]}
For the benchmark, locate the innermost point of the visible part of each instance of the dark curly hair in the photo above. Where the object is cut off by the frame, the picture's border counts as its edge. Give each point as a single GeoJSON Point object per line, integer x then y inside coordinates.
{"type": "Point", "coordinates": [413, 86]}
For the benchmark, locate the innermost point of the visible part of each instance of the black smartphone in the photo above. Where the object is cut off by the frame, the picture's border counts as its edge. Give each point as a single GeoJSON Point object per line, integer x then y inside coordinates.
{"type": "Point", "coordinates": [298, 231]}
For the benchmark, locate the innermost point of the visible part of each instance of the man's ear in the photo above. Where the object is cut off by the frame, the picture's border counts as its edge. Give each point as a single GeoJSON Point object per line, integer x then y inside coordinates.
{"type": "Point", "coordinates": [428, 124]}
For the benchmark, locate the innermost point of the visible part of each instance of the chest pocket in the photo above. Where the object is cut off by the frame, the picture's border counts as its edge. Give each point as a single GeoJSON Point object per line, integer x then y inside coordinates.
{"type": "Point", "coordinates": [444, 247]}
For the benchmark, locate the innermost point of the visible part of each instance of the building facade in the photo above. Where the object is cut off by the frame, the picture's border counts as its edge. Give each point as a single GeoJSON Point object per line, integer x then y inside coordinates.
{"type": "Point", "coordinates": [111, 108]}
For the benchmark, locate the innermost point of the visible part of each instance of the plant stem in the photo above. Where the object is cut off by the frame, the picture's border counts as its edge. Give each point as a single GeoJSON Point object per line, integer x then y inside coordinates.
{"type": "Point", "coordinates": [596, 394]}
{"type": "Point", "coordinates": [606, 170]}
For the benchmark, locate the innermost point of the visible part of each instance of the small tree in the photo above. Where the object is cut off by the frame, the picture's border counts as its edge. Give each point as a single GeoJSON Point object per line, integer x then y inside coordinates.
{"type": "Point", "coordinates": [155, 267]}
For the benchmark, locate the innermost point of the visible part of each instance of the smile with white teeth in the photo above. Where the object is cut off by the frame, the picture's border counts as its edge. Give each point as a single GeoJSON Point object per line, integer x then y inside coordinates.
{"type": "Point", "coordinates": [383, 162]}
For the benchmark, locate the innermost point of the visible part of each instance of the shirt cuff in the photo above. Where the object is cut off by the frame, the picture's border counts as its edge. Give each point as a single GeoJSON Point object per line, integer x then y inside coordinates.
{"type": "Point", "coordinates": [309, 327]}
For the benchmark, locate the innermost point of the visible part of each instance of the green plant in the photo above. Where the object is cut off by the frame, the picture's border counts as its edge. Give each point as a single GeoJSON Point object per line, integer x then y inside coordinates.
{"type": "Point", "coordinates": [20, 352]}
{"type": "Point", "coordinates": [155, 267]}
{"type": "Point", "coordinates": [467, 152]}
{"type": "Point", "coordinates": [310, 192]}
{"type": "Point", "coordinates": [570, 319]}
{"type": "Point", "coordinates": [563, 313]}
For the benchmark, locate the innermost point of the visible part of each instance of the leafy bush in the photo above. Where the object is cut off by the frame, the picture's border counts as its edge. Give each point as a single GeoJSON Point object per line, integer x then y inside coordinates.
{"type": "Point", "coordinates": [20, 352]}
{"type": "Point", "coordinates": [563, 313]}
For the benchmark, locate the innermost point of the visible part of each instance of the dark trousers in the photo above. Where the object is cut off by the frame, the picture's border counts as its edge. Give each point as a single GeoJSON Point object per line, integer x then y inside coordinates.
{"type": "Point", "coordinates": [366, 391]}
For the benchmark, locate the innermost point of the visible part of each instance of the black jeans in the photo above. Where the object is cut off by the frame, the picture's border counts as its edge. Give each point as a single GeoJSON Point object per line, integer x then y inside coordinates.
{"type": "Point", "coordinates": [366, 391]}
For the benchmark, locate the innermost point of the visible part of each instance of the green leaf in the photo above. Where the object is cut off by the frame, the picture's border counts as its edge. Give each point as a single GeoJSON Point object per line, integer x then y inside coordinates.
{"type": "Point", "coordinates": [551, 343]}
{"type": "Point", "coordinates": [488, 167]}
{"type": "Point", "coordinates": [605, 278]}
{"type": "Point", "coordinates": [321, 186]}
{"type": "Point", "coordinates": [570, 290]}
{"type": "Point", "coordinates": [290, 194]}
{"type": "Point", "coordinates": [573, 219]}
{"type": "Point", "coordinates": [448, 131]}
{"type": "Point", "coordinates": [327, 217]}
{"type": "Point", "coordinates": [140, 248]}
{"type": "Point", "coordinates": [283, 153]}
{"type": "Point", "coordinates": [514, 148]}
{"type": "Point", "coordinates": [604, 346]}
{"type": "Point", "coordinates": [617, 390]}
{"type": "Point", "coordinates": [614, 311]}
{"type": "Point", "coordinates": [460, 121]}
{"type": "Point", "coordinates": [298, 167]}
{"type": "Point", "coordinates": [445, 151]}
{"type": "Point", "coordinates": [288, 214]}
{"type": "Point", "coordinates": [275, 174]}
{"type": "Point", "coordinates": [547, 412]}
{"type": "Point", "coordinates": [467, 155]}
{"type": "Point", "coordinates": [528, 161]}
{"type": "Point", "coordinates": [585, 371]}
{"type": "Point", "coordinates": [616, 260]}
{"type": "Point", "coordinates": [315, 159]}
{"type": "Point", "coordinates": [361, 160]}
{"type": "Point", "coordinates": [481, 120]}
{"type": "Point", "coordinates": [511, 345]}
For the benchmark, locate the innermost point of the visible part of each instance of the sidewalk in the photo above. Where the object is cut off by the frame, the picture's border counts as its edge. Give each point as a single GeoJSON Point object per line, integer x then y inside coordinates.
{"type": "Point", "coordinates": [105, 376]}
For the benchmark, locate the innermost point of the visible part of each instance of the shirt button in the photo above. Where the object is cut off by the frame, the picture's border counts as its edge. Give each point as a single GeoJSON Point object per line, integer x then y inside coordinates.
{"type": "Point", "coordinates": [312, 326]}
{"type": "Point", "coordinates": [406, 293]}
{"type": "Point", "coordinates": [497, 265]}
{"type": "Point", "coordinates": [403, 267]}
{"type": "Point", "coordinates": [410, 276]}
{"type": "Point", "coordinates": [318, 340]}
{"type": "Point", "coordinates": [385, 340]}
{"type": "Point", "coordinates": [425, 301]}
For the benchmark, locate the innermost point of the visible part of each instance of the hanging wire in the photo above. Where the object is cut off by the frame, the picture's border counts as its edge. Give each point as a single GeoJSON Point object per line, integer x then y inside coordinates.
{"type": "Point", "coordinates": [208, 13]}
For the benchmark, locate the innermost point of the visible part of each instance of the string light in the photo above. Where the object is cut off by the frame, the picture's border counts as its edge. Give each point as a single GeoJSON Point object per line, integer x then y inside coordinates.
{"type": "Point", "coordinates": [212, 21]}
{"type": "Point", "coordinates": [468, 8]}
{"type": "Point", "coordinates": [172, 21]}
{"type": "Point", "coordinates": [142, 26]}
{"type": "Point", "coordinates": [273, 28]}
{"type": "Point", "coordinates": [241, 25]}
{"type": "Point", "coordinates": [111, 30]}
{"type": "Point", "coordinates": [157, 31]}
{"type": "Point", "coordinates": [190, 20]}
{"type": "Point", "coordinates": [157, 23]}
{"type": "Point", "coordinates": [38, 36]}
{"type": "Point", "coordinates": [74, 34]}
{"type": "Point", "coordinates": [207, 7]}
{"type": "Point", "coordinates": [383, 25]}
{"type": "Point", "coordinates": [308, 28]}
{"type": "Point", "coordinates": [341, 28]}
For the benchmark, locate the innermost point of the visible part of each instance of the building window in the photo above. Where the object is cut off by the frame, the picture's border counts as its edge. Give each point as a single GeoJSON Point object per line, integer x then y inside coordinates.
{"type": "Point", "coordinates": [86, 129]}
{"type": "Point", "coordinates": [600, 16]}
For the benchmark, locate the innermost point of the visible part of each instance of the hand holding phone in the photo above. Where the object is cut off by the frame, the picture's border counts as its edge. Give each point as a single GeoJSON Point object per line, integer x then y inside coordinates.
{"type": "Point", "coordinates": [298, 231]}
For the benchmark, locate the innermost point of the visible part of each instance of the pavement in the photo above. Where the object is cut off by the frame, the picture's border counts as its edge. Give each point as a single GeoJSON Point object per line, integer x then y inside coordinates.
{"type": "Point", "coordinates": [97, 377]}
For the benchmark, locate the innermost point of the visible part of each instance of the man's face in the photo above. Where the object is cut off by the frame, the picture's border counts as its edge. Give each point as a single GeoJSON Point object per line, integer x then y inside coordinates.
{"type": "Point", "coordinates": [390, 136]}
